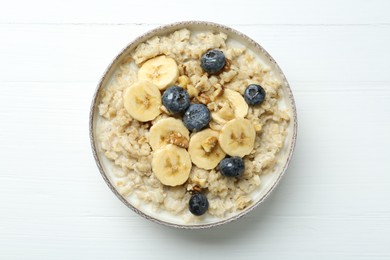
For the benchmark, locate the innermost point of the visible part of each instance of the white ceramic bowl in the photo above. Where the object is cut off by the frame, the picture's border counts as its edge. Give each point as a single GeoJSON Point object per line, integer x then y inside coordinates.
{"type": "Point", "coordinates": [269, 181]}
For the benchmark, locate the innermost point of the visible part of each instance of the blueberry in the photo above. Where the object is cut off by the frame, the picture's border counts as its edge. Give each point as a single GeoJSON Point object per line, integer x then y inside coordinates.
{"type": "Point", "coordinates": [232, 166]}
{"type": "Point", "coordinates": [196, 117]}
{"type": "Point", "coordinates": [254, 94]}
{"type": "Point", "coordinates": [176, 99]}
{"type": "Point", "coordinates": [198, 204]}
{"type": "Point", "coordinates": [213, 61]}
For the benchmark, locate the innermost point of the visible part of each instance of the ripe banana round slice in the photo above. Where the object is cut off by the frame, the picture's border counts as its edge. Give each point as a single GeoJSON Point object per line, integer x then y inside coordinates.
{"type": "Point", "coordinates": [171, 165]}
{"type": "Point", "coordinates": [168, 130]}
{"type": "Point", "coordinates": [142, 100]}
{"type": "Point", "coordinates": [204, 149]}
{"type": "Point", "coordinates": [231, 105]}
{"type": "Point", "coordinates": [237, 137]}
{"type": "Point", "coordinates": [162, 71]}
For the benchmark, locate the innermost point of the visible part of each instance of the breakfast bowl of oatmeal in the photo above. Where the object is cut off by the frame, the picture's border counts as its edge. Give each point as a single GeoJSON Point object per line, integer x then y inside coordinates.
{"type": "Point", "coordinates": [193, 125]}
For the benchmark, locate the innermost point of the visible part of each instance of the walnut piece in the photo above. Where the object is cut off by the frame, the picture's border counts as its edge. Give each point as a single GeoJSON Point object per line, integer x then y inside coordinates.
{"type": "Point", "coordinates": [203, 98]}
{"type": "Point", "coordinates": [219, 89]}
{"type": "Point", "coordinates": [209, 144]}
{"type": "Point", "coordinates": [178, 139]}
{"type": "Point", "coordinates": [227, 65]}
{"type": "Point", "coordinates": [183, 81]}
{"type": "Point", "coordinates": [192, 91]}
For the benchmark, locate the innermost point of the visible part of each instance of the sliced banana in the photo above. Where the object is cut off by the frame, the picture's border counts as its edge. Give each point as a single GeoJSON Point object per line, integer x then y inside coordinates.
{"type": "Point", "coordinates": [142, 100]}
{"type": "Point", "coordinates": [168, 130]}
{"type": "Point", "coordinates": [237, 137]}
{"type": "Point", "coordinates": [205, 150]}
{"type": "Point", "coordinates": [231, 105]}
{"type": "Point", "coordinates": [171, 165]}
{"type": "Point", "coordinates": [162, 71]}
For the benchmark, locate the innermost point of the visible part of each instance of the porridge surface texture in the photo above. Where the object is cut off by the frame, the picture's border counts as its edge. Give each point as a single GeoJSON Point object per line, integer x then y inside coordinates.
{"type": "Point", "coordinates": [125, 140]}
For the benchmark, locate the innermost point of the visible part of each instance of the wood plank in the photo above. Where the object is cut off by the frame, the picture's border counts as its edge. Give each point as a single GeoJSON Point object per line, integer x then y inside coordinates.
{"type": "Point", "coordinates": [67, 53]}
{"type": "Point", "coordinates": [222, 11]}
{"type": "Point", "coordinates": [332, 202]}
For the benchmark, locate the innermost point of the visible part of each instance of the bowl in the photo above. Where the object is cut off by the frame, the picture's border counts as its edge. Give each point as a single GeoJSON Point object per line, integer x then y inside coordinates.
{"type": "Point", "coordinates": [269, 181]}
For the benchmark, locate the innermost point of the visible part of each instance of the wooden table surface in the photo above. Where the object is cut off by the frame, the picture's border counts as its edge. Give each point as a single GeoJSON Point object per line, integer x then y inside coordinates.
{"type": "Point", "coordinates": [334, 201]}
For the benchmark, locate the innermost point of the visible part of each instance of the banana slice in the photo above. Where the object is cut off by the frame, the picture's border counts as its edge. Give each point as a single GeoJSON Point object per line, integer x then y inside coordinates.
{"type": "Point", "coordinates": [162, 71]}
{"type": "Point", "coordinates": [171, 165]}
{"type": "Point", "coordinates": [231, 105]}
{"type": "Point", "coordinates": [142, 100]}
{"type": "Point", "coordinates": [168, 130]}
{"type": "Point", "coordinates": [237, 137]}
{"type": "Point", "coordinates": [204, 149]}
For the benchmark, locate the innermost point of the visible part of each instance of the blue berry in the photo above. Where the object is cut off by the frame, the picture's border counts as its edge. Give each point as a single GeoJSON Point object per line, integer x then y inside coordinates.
{"type": "Point", "coordinates": [176, 99]}
{"type": "Point", "coordinates": [196, 117]}
{"type": "Point", "coordinates": [232, 166]}
{"type": "Point", "coordinates": [254, 94]}
{"type": "Point", "coordinates": [198, 204]}
{"type": "Point", "coordinates": [213, 61]}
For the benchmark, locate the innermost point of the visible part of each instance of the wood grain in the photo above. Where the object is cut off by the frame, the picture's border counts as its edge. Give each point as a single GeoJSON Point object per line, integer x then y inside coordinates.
{"type": "Point", "coordinates": [333, 202]}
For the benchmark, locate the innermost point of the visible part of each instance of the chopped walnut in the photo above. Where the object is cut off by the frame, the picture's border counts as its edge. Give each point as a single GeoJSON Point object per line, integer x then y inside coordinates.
{"type": "Point", "coordinates": [183, 81]}
{"type": "Point", "coordinates": [192, 91]}
{"type": "Point", "coordinates": [203, 98]}
{"type": "Point", "coordinates": [189, 187]}
{"type": "Point", "coordinates": [178, 139]}
{"type": "Point", "coordinates": [212, 106]}
{"type": "Point", "coordinates": [194, 188]}
{"type": "Point", "coordinates": [219, 89]}
{"type": "Point", "coordinates": [182, 69]}
{"type": "Point", "coordinates": [202, 84]}
{"type": "Point", "coordinates": [227, 65]}
{"type": "Point", "coordinates": [209, 144]}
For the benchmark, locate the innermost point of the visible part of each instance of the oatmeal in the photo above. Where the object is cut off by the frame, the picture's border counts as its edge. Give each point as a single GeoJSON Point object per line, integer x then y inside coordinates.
{"type": "Point", "coordinates": [140, 134]}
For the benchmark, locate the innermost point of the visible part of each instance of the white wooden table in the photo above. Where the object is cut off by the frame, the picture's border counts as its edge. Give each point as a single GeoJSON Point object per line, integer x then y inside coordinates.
{"type": "Point", "coordinates": [334, 201]}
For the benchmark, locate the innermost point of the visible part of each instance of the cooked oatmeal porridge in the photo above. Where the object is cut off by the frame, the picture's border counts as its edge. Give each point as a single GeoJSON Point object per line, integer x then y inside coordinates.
{"type": "Point", "coordinates": [143, 137]}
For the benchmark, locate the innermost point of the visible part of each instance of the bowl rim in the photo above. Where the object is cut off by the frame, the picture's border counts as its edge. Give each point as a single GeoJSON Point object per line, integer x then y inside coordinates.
{"type": "Point", "coordinates": [157, 31]}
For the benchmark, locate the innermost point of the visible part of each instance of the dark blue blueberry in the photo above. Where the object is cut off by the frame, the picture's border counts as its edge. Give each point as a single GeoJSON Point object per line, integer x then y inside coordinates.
{"type": "Point", "coordinates": [176, 99]}
{"type": "Point", "coordinates": [232, 166]}
{"type": "Point", "coordinates": [213, 61]}
{"type": "Point", "coordinates": [196, 117]}
{"type": "Point", "coordinates": [198, 204]}
{"type": "Point", "coordinates": [254, 94]}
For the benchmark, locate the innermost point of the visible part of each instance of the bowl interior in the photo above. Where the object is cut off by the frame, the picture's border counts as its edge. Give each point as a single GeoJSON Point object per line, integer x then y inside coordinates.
{"type": "Point", "coordinates": [268, 181]}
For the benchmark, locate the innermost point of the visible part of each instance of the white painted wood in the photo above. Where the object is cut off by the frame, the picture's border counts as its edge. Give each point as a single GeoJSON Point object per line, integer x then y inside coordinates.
{"type": "Point", "coordinates": [82, 52]}
{"type": "Point", "coordinates": [333, 202]}
{"type": "Point", "coordinates": [224, 11]}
